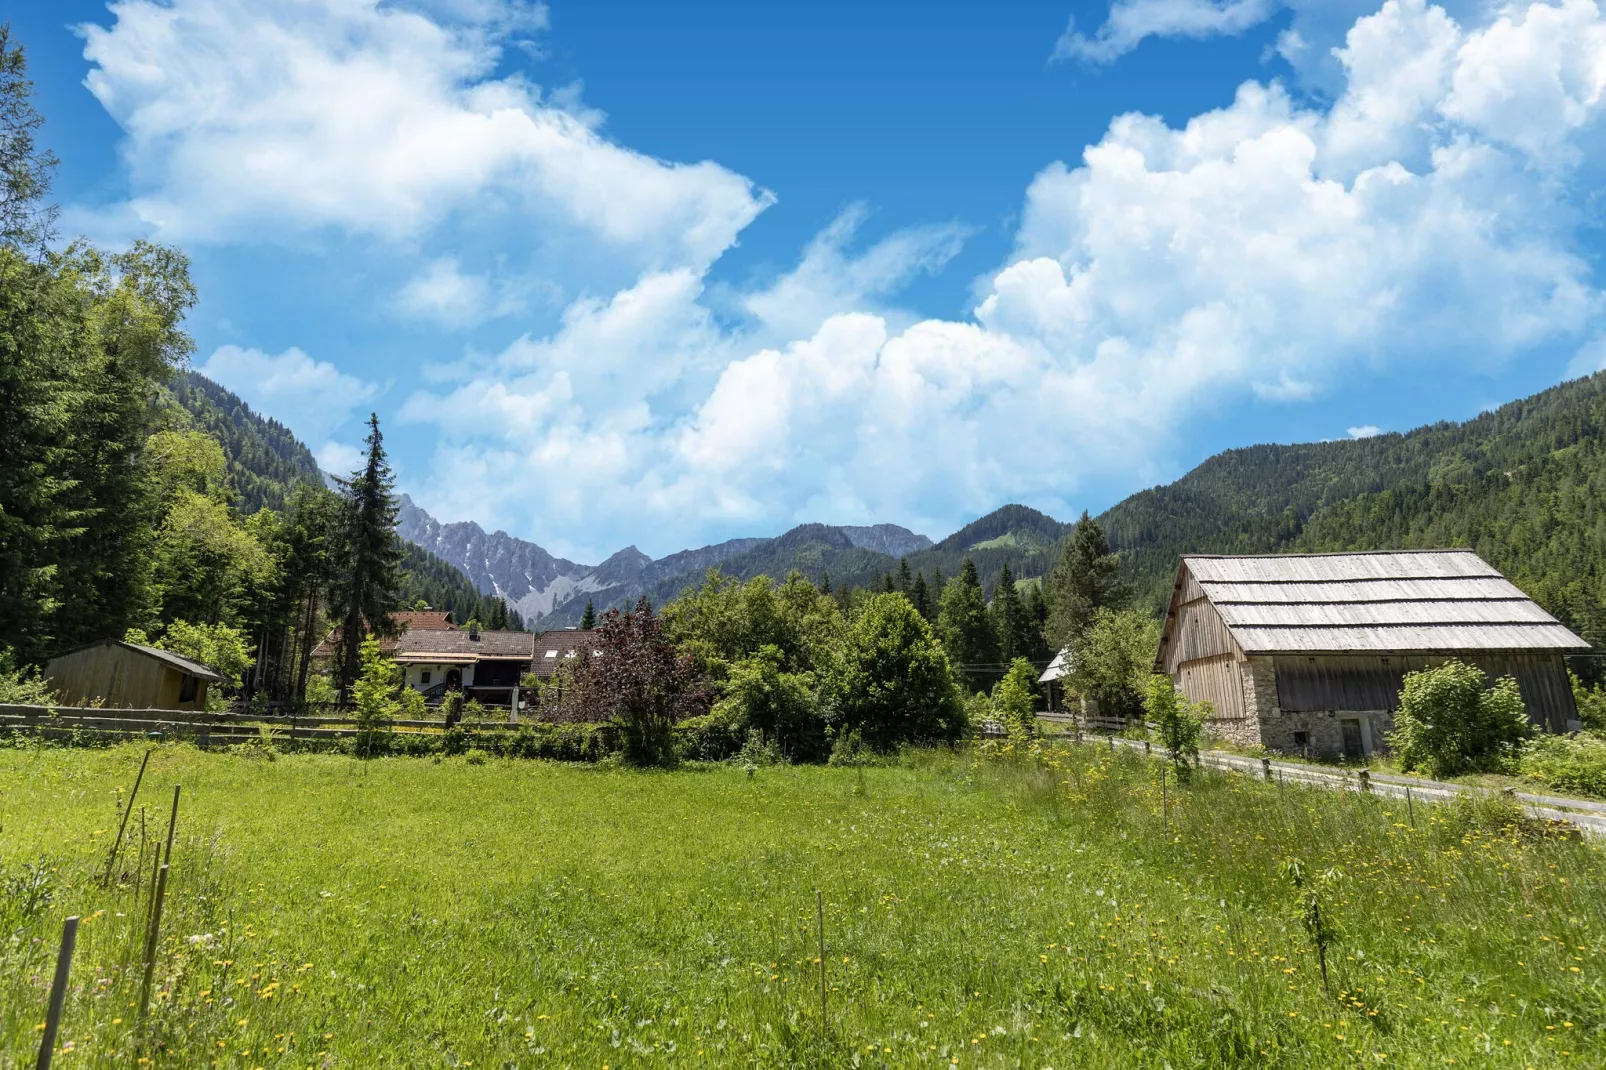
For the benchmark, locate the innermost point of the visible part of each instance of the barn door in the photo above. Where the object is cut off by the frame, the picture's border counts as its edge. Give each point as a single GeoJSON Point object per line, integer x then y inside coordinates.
{"type": "Point", "coordinates": [1354, 745]}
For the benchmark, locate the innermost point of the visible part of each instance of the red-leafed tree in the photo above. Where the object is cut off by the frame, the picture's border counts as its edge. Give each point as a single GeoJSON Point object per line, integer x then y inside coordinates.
{"type": "Point", "coordinates": [637, 681]}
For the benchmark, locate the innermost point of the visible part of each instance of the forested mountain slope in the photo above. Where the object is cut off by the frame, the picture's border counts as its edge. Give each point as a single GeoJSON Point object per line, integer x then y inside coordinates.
{"type": "Point", "coordinates": [1522, 485]}
{"type": "Point", "coordinates": [265, 459]}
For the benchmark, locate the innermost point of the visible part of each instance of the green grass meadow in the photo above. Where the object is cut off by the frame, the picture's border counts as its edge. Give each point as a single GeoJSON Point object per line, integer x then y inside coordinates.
{"type": "Point", "coordinates": [1030, 912]}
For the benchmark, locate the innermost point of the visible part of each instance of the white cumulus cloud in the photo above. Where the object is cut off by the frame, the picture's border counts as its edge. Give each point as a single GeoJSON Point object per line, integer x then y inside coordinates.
{"type": "Point", "coordinates": [1364, 431]}
{"type": "Point", "coordinates": [310, 397]}
{"type": "Point", "coordinates": [1261, 250]}
{"type": "Point", "coordinates": [243, 116]}
{"type": "Point", "coordinates": [1131, 21]}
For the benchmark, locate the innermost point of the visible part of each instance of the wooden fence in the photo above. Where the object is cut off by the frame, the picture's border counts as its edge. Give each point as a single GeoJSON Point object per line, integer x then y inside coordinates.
{"type": "Point", "coordinates": [204, 728]}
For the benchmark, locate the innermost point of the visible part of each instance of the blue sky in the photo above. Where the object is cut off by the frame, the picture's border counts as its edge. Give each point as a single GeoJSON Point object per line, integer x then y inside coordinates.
{"type": "Point", "coordinates": [660, 274]}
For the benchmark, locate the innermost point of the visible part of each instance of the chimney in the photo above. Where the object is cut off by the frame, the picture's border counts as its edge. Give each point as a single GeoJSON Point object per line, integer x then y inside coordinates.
{"type": "Point", "coordinates": [474, 630]}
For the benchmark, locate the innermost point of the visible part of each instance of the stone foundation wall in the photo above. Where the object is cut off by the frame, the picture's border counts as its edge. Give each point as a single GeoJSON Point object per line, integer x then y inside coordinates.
{"type": "Point", "coordinates": [1239, 731]}
{"type": "Point", "coordinates": [1324, 734]}
{"type": "Point", "coordinates": [1260, 688]}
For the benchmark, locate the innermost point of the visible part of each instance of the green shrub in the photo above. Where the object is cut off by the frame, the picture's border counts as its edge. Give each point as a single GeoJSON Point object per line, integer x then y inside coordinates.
{"type": "Point", "coordinates": [475, 756]}
{"type": "Point", "coordinates": [454, 740]}
{"type": "Point", "coordinates": [1591, 704]}
{"type": "Point", "coordinates": [712, 737]}
{"type": "Point", "coordinates": [895, 684]}
{"type": "Point", "coordinates": [1179, 723]}
{"type": "Point", "coordinates": [1012, 700]}
{"type": "Point", "coordinates": [781, 706]}
{"type": "Point", "coordinates": [1451, 722]}
{"type": "Point", "coordinates": [849, 750]}
{"type": "Point", "coordinates": [1567, 763]}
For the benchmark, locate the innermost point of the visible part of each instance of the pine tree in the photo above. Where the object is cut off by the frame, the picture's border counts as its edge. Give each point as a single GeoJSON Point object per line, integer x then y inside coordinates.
{"type": "Point", "coordinates": [369, 588]}
{"type": "Point", "coordinates": [888, 584]}
{"type": "Point", "coordinates": [825, 583]}
{"type": "Point", "coordinates": [967, 631]}
{"type": "Point", "coordinates": [1085, 578]}
{"type": "Point", "coordinates": [498, 615]}
{"type": "Point", "coordinates": [920, 595]}
{"type": "Point", "coordinates": [1012, 620]}
{"type": "Point", "coordinates": [588, 620]}
{"type": "Point", "coordinates": [905, 580]}
{"type": "Point", "coordinates": [27, 220]}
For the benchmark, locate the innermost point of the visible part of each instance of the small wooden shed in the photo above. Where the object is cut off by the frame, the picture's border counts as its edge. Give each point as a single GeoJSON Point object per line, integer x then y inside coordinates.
{"type": "Point", "coordinates": [1308, 652]}
{"type": "Point", "coordinates": [119, 675]}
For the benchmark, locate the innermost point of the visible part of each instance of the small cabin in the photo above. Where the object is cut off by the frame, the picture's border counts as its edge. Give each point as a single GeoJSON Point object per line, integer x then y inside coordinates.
{"type": "Point", "coordinates": [119, 675]}
{"type": "Point", "coordinates": [1307, 653]}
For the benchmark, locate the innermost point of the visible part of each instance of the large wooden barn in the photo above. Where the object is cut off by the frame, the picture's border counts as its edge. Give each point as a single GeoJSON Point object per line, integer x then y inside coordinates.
{"type": "Point", "coordinates": [1307, 652]}
{"type": "Point", "coordinates": [121, 675]}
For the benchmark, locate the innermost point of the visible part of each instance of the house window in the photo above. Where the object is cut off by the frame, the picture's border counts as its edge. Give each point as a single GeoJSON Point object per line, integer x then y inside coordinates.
{"type": "Point", "coordinates": [551, 653]}
{"type": "Point", "coordinates": [423, 677]}
{"type": "Point", "coordinates": [1301, 740]}
{"type": "Point", "coordinates": [187, 688]}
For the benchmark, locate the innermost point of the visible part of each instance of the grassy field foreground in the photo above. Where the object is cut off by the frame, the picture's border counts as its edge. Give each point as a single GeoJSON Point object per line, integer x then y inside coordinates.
{"type": "Point", "coordinates": [328, 912]}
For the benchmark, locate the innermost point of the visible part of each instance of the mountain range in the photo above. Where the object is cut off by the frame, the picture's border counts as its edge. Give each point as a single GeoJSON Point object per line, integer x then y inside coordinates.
{"type": "Point", "coordinates": [1524, 485]}
{"type": "Point", "coordinates": [553, 591]}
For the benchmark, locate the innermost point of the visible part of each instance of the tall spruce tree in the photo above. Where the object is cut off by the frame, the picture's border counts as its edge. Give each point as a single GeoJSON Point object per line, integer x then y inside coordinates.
{"type": "Point", "coordinates": [588, 620]}
{"type": "Point", "coordinates": [1013, 622]}
{"type": "Point", "coordinates": [1085, 578]}
{"type": "Point", "coordinates": [920, 595]}
{"type": "Point", "coordinates": [905, 581]}
{"type": "Point", "coordinates": [370, 586]}
{"type": "Point", "coordinates": [27, 218]}
{"type": "Point", "coordinates": [967, 631]}
{"type": "Point", "coordinates": [498, 616]}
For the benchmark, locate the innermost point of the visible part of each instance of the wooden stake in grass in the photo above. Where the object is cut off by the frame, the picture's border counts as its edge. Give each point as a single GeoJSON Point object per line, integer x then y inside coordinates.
{"type": "Point", "coordinates": [819, 908]}
{"type": "Point", "coordinates": [1409, 809]}
{"type": "Point", "coordinates": [111, 863]}
{"type": "Point", "coordinates": [58, 992]}
{"type": "Point", "coordinates": [152, 935]}
{"type": "Point", "coordinates": [172, 823]}
{"type": "Point", "coordinates": [1165, 805]}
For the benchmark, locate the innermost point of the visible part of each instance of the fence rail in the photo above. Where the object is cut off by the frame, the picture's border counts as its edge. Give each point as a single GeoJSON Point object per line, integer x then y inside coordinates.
{"type": "Point", "coordinates": [1589, 817]}
{"type": "Point", "coordinates": [205, 727]}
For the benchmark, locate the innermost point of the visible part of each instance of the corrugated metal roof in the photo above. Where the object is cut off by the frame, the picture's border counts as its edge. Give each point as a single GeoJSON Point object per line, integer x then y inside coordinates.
{"type": "Point", "coordinates": [1395, 601]}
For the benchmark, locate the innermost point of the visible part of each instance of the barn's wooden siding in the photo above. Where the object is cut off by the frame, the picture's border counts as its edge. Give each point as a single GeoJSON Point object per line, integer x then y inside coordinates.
{"type": "Point", "coordinates": [1216, 680]}
{"type": "Point", "coordinates": [117, 677]}
{"type": "Point", "coordinates": [1199, 632]}
{"type": "Point", "coordinates": [1316, 683]}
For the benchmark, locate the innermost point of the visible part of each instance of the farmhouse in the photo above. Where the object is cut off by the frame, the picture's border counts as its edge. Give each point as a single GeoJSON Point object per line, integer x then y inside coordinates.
{"type": "Point", "coordinates": [121, 675]}
{"type": "Point", "coordinates": [1307, 652]}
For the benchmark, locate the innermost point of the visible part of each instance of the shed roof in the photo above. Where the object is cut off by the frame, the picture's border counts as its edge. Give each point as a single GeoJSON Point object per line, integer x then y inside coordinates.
{"type": "Point", "coordinates": [178, 661]}
{"type": "Point", "coordinates": [1398, 601]}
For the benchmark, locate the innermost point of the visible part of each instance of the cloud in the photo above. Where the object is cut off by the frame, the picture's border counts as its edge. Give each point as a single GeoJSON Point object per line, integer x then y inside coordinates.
{"type": "Point", "coordinates": [251, 117]}
{"type": "Point", "coordinates": [1130, 22]}
{"type": "Point", "coordinates": [441, 292]}
{"type": "Point", "coordinates": [1258, 254]}
{"type": "Point", "coordinates": [1364, 431]}
{"type": "Point", "coordinates": [340, 458]}
{"type": "Point", "coordinates": [311, 397]}
{"type": "Point", "coordinates": [831, 280]}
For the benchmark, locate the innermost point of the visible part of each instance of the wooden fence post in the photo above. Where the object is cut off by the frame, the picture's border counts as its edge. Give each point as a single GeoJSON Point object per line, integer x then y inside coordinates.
{"type": "Point", "coordinates": [58, 992]}
{"type": "Point", "coordinates": [819, 907]}
{"type": "Point", "coordinates": [172, 823]}
{"type": "Point", "coordinates": [1265, 767]}
{"type": "Point", "coordinates": [111, 863]}
{"type": "Point", "coordinates": [151, 938]}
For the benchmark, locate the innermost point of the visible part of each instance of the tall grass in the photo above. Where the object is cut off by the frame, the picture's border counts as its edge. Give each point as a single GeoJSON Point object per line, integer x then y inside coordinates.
{"type": "Point", "coordinates": [1026, 911]}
